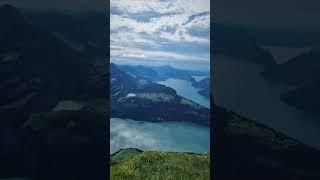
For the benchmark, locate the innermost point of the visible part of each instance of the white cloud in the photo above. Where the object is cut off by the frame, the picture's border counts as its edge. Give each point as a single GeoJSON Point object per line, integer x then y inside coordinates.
{"type": "Point", "coordinates": [153, 23]}
{"type": "Point", "coordinates": [161, 6]}
{"type": "Point", "coordinates": [133, 52]}
{"type": "Point", "coordinates": [128, 38]}
{"type": "Point", "coordinates": [156, 26]}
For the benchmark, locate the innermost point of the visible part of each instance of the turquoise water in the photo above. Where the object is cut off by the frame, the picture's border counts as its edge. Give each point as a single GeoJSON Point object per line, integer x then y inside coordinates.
{"type": "Point", "coordinates": [164, 136]}
{"type": "Point", "coordinates": [185, 89]}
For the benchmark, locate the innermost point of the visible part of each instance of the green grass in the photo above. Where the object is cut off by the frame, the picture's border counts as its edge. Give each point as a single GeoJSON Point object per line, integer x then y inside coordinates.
{"type": "Point", "coordinates": [151, 165]}
{"type": "Point", "coordinates": [124, 155]}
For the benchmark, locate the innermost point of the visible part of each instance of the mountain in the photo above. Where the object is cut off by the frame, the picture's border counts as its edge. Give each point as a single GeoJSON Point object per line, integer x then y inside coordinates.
{"type": "Point", "coordinates": [204, 83]}
{"type": "Point", "coordinates": [306, 97]}
{"type": "Point", "coordinates": [303, 72]}
{"type": "Point", "coordinates": [33, 58]}
{"type": "Point", "coordinates": [141, 72]}
{"type": "Point", "coordinates": [237, 42]}
{"type": "Point", "coordinates": [123, 83]}
{"type": "Point", "coordinates": [140, 99]}
{"type": "Point", "coordinates": [160, 73]}
{"type": "Point", "coordinates": [167, 71]}
{"type": "Point", "coordinates": [205, 92]}
{"type": "Point", "coordinates": [246, 149]}
{"type": "Point", "coordinates": [286, 37]}
{"type": "Point", "coordinates": [135, 164]}
{"type": "Point", "coordinates": [204, 86]}
{"type": "Point", "coordinates": [48, 92]}
{"type": "Point", "coordinates": [302, 69]}
{"type": "Point", "coordinates": [81, 31]}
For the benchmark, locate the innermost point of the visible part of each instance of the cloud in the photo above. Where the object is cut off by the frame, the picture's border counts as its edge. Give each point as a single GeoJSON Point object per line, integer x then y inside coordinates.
{"type": "Point", "coordinates": [161, 6]}
{"type": "Point", "coordinates": [123, 135]}
{"type": "Point", "coordinates": [122, 52]}
{"type": "Point", "coordinates": [157, 26]}
{"type": "Point", "coordinates": [144, 29]}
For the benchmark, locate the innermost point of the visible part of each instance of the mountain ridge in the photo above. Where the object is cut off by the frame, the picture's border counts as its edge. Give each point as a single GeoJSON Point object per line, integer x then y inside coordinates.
{"type": "Point", "coordinates": [302, 72]}
{"type": "Point", "coordinates": [150, 101]}
{"type": "Point", "coordinates": [38, 72]}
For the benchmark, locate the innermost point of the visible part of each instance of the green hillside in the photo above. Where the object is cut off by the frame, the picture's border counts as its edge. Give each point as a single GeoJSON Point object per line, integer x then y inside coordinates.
{"type": "Point", "coordinates": [135, 164]}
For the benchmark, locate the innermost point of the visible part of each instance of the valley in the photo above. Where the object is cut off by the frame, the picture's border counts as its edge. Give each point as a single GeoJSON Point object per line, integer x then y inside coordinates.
{"type": "Point", "coordinates": [166, 115]}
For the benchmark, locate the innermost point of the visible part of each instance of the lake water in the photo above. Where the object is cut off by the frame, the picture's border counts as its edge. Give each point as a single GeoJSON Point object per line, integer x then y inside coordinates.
{"type": "Point", "coordinates": [185, 89]}
{"type": "Point", "coordinates": [163, 136]}
{"type": "Point", "coordinates": [238, 86]}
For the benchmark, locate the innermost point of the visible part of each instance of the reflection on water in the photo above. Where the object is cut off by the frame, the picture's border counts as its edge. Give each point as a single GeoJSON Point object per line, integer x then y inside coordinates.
{"type": "Point", "coordinates": [164, 136]}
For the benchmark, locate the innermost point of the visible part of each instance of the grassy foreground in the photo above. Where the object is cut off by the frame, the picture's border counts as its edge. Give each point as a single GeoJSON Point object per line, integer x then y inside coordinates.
{"type": "Point", "coordinates": [135, 164]}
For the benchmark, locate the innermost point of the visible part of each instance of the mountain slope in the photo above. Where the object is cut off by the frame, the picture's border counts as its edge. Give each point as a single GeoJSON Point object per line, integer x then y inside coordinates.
{"type": "Point", "coordinates": [140, 99]}
{"type": "Point", "coordinates": [82, 31]}
{"type": "Point", "coordinates": [242, 149]}
{"type": "Point", "coordinates": [235, 42]}
{"type": "Point", "coordinates": [246, 149]}
{"type": "Point", "coordinates": [303, 72]}
{"type": "Point", "coordinates": [306, 97]}
{"type": "Point", "coordinates": [160, 73]}
{"type": "Point", "coordinates": [204, 86]}
{"type": "Point", "coordinates": [204, 83]}
{"type": "Point", "coordinates": [34, 64]}
{"type": "Point", "coordinates": [301, 69]}
{"type": "Point", "coordinates": [159, 165]}
{"type": "Point", "coordinates": [205, 92]}
{"type": "Point", "coordinates": [48, 92]}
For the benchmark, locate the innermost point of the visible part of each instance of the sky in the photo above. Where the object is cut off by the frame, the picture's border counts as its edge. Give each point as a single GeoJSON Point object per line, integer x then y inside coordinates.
{"type": "Point", "coordinates": [157, 32]}
{"type": "Point", "coordinates": [261, 13]}
{"type": "Point", "coordinates": [178, 30]}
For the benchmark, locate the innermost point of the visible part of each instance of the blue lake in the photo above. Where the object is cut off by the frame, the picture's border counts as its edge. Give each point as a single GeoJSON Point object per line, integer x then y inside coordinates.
{"type": "Point", "coordinates": [163, 136]}
{"type": "Point", "coordinates": [185, 89]}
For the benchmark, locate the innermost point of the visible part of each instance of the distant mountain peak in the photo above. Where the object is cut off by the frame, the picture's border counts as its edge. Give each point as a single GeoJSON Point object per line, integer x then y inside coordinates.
{"type": "Point", "coordinates": [167, 66]}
